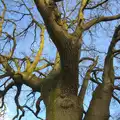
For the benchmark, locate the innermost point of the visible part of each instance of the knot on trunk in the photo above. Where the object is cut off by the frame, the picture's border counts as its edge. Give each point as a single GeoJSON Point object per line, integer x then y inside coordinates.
{"type": "Point", "coordinates": [66, 103]}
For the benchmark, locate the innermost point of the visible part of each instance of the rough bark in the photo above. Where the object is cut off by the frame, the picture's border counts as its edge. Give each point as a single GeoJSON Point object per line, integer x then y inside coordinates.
{"type": "Point", "coordinates": [60, 95]}
{"type": "Point", "coordinates": [99, 106]}
{"type": "Point", "coordinates": [59, 88]}
{"type": "Point", "coordinates": [61, 98]}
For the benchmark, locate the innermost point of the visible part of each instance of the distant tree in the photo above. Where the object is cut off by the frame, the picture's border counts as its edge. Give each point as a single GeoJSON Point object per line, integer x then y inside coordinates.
{"type": "Point", "coordinates": [63, 82]}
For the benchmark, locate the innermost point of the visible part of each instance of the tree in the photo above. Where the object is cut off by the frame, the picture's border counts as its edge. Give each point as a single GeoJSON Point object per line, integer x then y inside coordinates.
{"type": "Point", "coordinates": [59, 86]}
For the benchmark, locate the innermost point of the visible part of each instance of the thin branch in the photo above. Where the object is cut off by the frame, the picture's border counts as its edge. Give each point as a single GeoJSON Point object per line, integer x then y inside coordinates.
{"type": "Point", "coordinates": [97, 5]}
{"type": "Point", "coordinates": [86, 58]}
{"type": "Point", "coordinates": [2, 16]}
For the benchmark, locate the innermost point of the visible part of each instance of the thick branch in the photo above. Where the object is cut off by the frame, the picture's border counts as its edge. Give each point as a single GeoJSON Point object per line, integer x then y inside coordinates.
{"type": "Point", "coordinates": [103, 93]}
{"type": "Point", "coordinates": [108, 65]}
{"type": "Point", "coordinates": [54, 23]}
{"type": "Point", "coordinates": [95, 21]}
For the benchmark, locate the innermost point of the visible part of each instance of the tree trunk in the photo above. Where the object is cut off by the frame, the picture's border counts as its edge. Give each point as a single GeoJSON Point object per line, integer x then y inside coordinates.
{"type": "Point", "coordinates": [61, 98]}
{"type": "Point", "coordinates": [60, 104]}
{"type": "Point", "coordinates": [62, 107]}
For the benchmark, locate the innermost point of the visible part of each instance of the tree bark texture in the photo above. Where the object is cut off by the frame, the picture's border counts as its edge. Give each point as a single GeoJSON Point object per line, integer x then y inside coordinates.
{"type": "Point", "coordinates": [60, 95]}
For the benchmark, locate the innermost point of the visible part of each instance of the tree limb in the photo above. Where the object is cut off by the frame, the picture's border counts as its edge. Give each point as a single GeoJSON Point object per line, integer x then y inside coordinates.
{"type": "Point", "coordinates": [97, 20]}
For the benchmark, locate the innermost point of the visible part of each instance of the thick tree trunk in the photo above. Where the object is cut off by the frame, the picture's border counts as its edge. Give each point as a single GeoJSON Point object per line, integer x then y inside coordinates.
{"type": "Point", "coordinates": [61, 104]}
{"type": "Point", "coordinates": [61, 100]}
{"type": "Point", "coordinates": [60, 107]}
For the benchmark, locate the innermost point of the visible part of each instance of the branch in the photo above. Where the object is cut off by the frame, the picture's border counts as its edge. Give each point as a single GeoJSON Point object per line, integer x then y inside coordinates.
{"type": "Point", "coordinates": [116, 87]}
{"type": "Point", "coordinates": [4, 75]}
{"type": "Point", "coordinates": [108, 64]}
{"type": "Point", "coordinates": [85, 81]}
{"type": "Point", "coordinates": [32, 16]}
{"type": "Point", "coordinates": [116, 52]}
{"type": "Point", "coordinates": [2, 17]}
{"type": "Point", "coordinates": [3, 93]}
{"type": "Point", "coordinates": [11, 37]}
{"type": "Point", "coordinates": [116, 98]}
{"type": "Point", "coordinates": [4, 61]}
{"type": "Point", "coordinates": [86, 58]}
{"type": "Point", "coordinates": [80, 19]}
{"type": "Point", "coordinates": [85, 84]}
{"type": "Point", "coordinates": [82, 7]}
{"type": "Point", "coordinates": [43, 66]}
{"type": "Point", "coordinates": [95, 21]}
{"type": "Point", "coordinates": [54, 23]}
{"type": "Point", "coordinates": [19, 107]}
{"type": "Point", "coordinates": [30, 80]}
{"type": "Point", "coordinates": [37, 58]}
{"type": "Point", "coordinates": [32, 112]}
{"type": "Point", "coordinates": [38, 105]}
{"type": "Point", "coordinates": [34, 81]}
{"type": "Point", "coordinates": [117, 77]}
{"type": "Point", "coordinates": [95, 6]}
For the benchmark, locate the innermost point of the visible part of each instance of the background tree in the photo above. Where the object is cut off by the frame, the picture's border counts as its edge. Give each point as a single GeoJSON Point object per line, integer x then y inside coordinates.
{"type": "Point", "coordinates": [62, 82]}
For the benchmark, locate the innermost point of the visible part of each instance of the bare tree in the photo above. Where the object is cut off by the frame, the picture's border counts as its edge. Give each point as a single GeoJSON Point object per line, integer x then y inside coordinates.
{"type": "Point", "coordinates": [58, 80]}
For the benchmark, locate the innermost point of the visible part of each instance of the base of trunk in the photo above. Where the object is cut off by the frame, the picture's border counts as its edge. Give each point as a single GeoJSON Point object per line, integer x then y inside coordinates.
{"type": "Point", "coordinates": [63, 108]}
